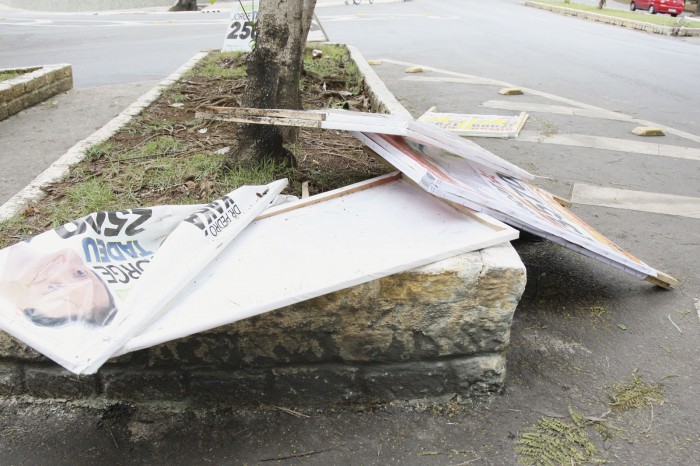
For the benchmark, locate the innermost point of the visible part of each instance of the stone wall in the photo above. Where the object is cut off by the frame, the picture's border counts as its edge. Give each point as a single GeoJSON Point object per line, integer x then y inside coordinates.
{"type": "Point", "coordinates": [33, 87]}
{"type": "Point", "coordinates": [430, 331]}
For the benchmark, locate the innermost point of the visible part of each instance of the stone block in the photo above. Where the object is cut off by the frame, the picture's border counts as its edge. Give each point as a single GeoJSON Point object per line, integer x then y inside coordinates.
{"type": "Point", "coordinates": [511, 91]}
{"type": "Point", "coordinates": [323, 383]}
{"type": "Point", "coordinates": [55, 382]}
{"type": "Point", "coordinates": [143, 384]}
{"type": "Point", "coordinates": [460, 306]}
{"type": "Point", "coordinates": [233, 387]}
{"type": "Point", "coordinates": [414, 69]}
{"type": "Point", "coordinates": [11, 379]}
{"type": "Point", "coordinates": [31, 88]}
{"type": "Point", "coordinates": [13, 349]}
{"type": "Point", "coordinates": [648, 131]}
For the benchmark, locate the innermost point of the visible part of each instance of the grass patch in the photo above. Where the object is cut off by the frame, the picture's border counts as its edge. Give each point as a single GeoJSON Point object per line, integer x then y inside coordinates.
{"type": "Point", "coordinates": [221, 65]}
{"type": "Point", "coordinates": [93, 195]}
{"type": "Point", "coordinates": [634, 395]}
{"type": "Point", "coordinates": [11, 74]}
{"type": "Point", "coordinates": [167, 156]}
{"type": "Point", "coordinates": [335, 65]}
{"type": "Point", "coordinates": [559, 442]}
{"type": "Point", "coordinates": [641, 16]}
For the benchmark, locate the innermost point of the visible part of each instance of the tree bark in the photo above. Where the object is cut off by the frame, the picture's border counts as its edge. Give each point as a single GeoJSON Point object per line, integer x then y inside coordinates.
{"type": "Point", "coordinates": [184, 5]}
{"type": "Point", "coordinates": [274, 71]}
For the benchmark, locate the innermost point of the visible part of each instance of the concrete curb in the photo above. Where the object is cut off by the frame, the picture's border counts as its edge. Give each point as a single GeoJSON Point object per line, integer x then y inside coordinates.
{"type": "Point", "coordinates": [382, 100]}
{"type": "Point", "coordinates": [627, 23]}
{"type": "Point", "coordinates": [29, 89]}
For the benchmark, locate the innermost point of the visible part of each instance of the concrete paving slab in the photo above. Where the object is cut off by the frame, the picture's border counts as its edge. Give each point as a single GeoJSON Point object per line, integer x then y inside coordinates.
{"type": "Point", "coordinates": [545, 108]}
{"type": "Point", "coordinates": [31, 140]}
{"type": "Point", "coordinates": [658, 203]}
{"type": "Point", "coordinates": [614, 144]}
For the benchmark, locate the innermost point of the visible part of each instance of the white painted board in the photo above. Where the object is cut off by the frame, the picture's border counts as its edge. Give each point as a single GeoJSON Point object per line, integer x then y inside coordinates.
{"type": "Point", "coordinates": [298, 254]}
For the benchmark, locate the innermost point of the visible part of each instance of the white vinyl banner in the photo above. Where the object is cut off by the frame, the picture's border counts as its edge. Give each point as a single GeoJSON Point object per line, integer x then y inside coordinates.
{"type": "Point", "coordinates": [79, 292]}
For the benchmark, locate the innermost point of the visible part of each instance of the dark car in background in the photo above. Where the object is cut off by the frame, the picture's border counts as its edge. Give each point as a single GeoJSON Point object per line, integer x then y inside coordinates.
{"type": "Point", "coordinates": [672, 7]}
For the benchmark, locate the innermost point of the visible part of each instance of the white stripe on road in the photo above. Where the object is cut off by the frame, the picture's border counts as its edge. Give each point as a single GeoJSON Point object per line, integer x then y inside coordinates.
{"type": "Point", "coordinates": [641, 201]}
{"type": "Point", "coordinates": [558, 109]}
{"type": "Point", "coordinates": [444, 79]}
{"type": "Point", "coordinates": [615, 144]}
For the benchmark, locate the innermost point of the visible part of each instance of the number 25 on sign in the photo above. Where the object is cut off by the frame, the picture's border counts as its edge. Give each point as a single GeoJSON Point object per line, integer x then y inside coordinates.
{"type": "Point", "coordinates": [241, 30]}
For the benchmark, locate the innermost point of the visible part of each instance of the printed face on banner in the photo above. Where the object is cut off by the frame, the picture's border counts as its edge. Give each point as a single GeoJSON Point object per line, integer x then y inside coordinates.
{"type": "Point", "coordinates": [54, 289]}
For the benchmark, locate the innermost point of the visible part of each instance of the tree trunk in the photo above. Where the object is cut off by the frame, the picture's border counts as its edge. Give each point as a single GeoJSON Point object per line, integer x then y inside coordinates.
{"type": "Point", "coordinates": [601, 4]}
{"type": "Point", "coordinates": [184, 5]}
{"type": "Point", "coordinates": [274, 71]}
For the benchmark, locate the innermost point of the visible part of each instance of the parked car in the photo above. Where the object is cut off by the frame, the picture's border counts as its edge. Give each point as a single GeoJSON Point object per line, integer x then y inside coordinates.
{"type": "Point", "coordinates": [672, 7]}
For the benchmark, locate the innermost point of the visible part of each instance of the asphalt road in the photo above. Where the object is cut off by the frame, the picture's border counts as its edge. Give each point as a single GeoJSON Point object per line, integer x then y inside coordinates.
{"type": "Point", "coordinates": [108, 48]}
{"type": "Point", "coordinates": [648, 76]}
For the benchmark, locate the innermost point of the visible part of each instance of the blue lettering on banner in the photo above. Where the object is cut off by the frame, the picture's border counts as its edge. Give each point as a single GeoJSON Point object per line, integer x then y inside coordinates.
{"type": "Point", "coordinates": [97, 250]}
{"type": "Point", "coordinates": [122, 273]}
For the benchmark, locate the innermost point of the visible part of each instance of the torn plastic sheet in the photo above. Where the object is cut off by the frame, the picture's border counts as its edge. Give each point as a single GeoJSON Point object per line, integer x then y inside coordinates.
{"type": "Point", "coordinates": [79, 292]}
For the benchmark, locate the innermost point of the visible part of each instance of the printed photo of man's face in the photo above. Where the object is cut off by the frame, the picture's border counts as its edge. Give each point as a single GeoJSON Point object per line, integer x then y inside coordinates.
{"type": "Point", "coordinates": [55, 289]}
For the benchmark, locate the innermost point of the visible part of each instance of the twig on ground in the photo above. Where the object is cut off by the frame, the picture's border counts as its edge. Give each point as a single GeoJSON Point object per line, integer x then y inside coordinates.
{"type": "Point", "coordinates": [292, 412]}
{"type": "Point", "coordinates": [674, 324]}
{"type": "Point", "coordinates": [295, 455]}
{"type": "Point", "coordinates": [648, 429]}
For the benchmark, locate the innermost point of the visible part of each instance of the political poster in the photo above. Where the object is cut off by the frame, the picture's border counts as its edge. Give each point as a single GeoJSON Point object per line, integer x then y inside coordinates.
{"type": "Point", "coordinates": [487, 126]}
{"type": "Point", "coordinates": [79, 292]}
{"type": "Point", "coordinates": [501, 196]}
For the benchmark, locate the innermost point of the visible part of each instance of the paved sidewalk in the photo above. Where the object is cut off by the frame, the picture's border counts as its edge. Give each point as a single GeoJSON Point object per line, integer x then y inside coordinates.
{"type": "Point", "coordinates": [33, 139]}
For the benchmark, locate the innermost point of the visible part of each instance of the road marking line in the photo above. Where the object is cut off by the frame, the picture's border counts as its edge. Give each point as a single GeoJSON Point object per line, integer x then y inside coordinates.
{"type": "Point", "coordinates": [558, 109]}
{"type": "Point", "coordinates": [615, 144]}
{"type": "Point", "coordinates": [666, 129]}
{"type": "Point", "coordinates": [444, 79]}
{"type": "Point", "coordinates": [641, 201]}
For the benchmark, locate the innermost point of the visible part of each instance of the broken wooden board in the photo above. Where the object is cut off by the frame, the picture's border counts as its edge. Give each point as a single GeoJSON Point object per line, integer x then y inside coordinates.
{"type": "Point", "coordinates": [418, 131]}
{"type": "Point", "coordinates": [360, 233]}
